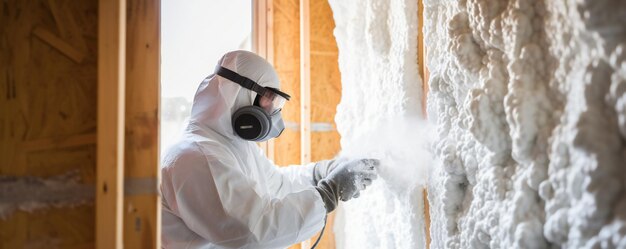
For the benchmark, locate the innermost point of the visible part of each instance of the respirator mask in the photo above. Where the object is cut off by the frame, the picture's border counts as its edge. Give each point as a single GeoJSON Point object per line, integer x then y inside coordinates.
{"type": "Point", "coordinates": [262, 120]}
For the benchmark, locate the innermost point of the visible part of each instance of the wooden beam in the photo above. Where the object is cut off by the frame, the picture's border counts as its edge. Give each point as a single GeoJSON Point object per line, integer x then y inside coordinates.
{"type": "Point", "coordinates": [269, 56]}
{"type": "Point", "coordinates": [263, 41]}
{"type": "Point", "coordinates": [269, 31]}
{"type": "Point", "coordinates": [423, 70]}
{"type": "Point", "coordinates": [305, 82]}
{"type": "Point", "coordinates": [421, 58]}
{"type": "Point", "coordinates": [420, 37]}
{"type": "Point", "coordinates": [305, 88]}
{"type": "Point", "coordinates": [259, 26]}
{"type": "Point", "coordinates": [142, 203]}
{"type": "Point", "coordinates": [259, 41]}
{"type": "Point", "coordinates": [110, 134]}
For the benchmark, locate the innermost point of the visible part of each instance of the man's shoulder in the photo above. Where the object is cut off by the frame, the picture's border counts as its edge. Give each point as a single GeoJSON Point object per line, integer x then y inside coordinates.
{"type": "Point", "coordinates": [194, 149]}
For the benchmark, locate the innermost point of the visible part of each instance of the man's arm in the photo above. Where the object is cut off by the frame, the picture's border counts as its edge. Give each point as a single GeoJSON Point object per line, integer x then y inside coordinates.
{"type": "Point", "coordinates": [220, 203]}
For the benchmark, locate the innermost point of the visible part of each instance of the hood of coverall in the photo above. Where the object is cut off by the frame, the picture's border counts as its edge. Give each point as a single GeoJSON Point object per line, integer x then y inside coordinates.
{"type": "Point", "coordinates": [218, 98]}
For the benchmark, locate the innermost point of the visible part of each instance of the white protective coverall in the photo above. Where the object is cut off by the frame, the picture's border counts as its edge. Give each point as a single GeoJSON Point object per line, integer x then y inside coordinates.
{"type": "Point", "coordinates": [220, 191]}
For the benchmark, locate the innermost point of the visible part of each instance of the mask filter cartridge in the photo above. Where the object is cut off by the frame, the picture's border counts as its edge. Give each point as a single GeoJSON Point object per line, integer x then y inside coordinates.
{"type": "Point", "coordinates": [252, 123]}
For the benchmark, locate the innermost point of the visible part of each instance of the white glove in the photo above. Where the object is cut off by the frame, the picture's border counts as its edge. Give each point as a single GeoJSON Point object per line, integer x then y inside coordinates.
{"type": "Point", "coordinates": [345, 179]}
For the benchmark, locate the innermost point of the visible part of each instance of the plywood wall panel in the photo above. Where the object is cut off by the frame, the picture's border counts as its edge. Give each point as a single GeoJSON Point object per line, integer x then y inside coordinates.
{"type": "Point", "coordinates": [52, 228]}
{"type": "Point", "coordinates": [49, 163]}
{"type": "Point", "coordinates": [325, 145]}
{"type": "Point", "coordinates": [46, 99]}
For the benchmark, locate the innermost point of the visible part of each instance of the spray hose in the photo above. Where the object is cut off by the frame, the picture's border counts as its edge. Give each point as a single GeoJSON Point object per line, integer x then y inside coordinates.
{"type": "Point", "coordinates": [321, 233]}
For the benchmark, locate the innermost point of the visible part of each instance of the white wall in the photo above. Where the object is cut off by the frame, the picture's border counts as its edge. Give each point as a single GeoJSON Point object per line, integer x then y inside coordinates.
{"type": "Point", "coordinates": [194, 36]}
{"type": "Point", "coordinates": [528, 97]}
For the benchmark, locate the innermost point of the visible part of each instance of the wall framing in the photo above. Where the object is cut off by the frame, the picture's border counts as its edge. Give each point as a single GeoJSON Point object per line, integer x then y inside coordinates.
{"type": "Point", "coordinates": [111, 104]}
{"type": "Point", "coordinates": [142, 202]}
{"type": "Point", "coordinates": [424, 74]}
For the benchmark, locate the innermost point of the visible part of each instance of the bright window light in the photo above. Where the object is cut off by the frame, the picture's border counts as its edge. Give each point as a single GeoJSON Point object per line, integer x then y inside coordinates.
{"type": "Point", "coordinates": [194, 35]}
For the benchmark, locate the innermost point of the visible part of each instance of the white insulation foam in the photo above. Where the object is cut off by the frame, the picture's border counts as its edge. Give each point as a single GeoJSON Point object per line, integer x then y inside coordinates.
{"type": "Point", "coordinates": [528, 97]}
{"type": "Point", "coordinates": [379, 116]}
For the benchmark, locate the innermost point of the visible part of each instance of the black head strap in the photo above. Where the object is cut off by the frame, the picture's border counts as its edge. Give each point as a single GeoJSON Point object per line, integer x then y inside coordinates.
{"type": "Point", "coordinates": [241, 80]}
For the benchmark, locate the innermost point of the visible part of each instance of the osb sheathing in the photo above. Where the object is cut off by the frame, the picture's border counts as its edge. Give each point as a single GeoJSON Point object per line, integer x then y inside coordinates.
{"type": "Point", "coordinates": [48, 112]}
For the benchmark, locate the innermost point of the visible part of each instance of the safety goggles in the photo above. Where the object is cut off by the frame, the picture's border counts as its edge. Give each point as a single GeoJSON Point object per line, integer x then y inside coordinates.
{"type": "Point", "coordinates": [277, 98]}
{"type": "Point", "coordinates": [274, 100]}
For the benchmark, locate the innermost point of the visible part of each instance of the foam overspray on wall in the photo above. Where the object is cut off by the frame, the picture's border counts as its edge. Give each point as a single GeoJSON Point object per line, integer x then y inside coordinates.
{"type": "Point", "coordinates": [530, 106]}
{"type": "Point", "coordinates": [379, 116]}
{"type": "Point", "coordinates": [30, 193]}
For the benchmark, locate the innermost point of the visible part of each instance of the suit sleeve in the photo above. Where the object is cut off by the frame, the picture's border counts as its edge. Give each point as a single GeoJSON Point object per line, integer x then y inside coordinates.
{"type": "Point", "coordinates": [222, 204]}
{"type": "Point", "coordinates": [295, 175]}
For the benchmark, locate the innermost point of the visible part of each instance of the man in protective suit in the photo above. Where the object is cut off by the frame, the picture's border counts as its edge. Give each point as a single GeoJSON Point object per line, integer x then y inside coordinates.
{"type": "Point", "coordinates": [220, 191]}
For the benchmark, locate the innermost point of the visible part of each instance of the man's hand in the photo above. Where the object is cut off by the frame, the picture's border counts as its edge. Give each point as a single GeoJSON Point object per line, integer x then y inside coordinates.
{"type": "Point", "coordinates": [345, 180]}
